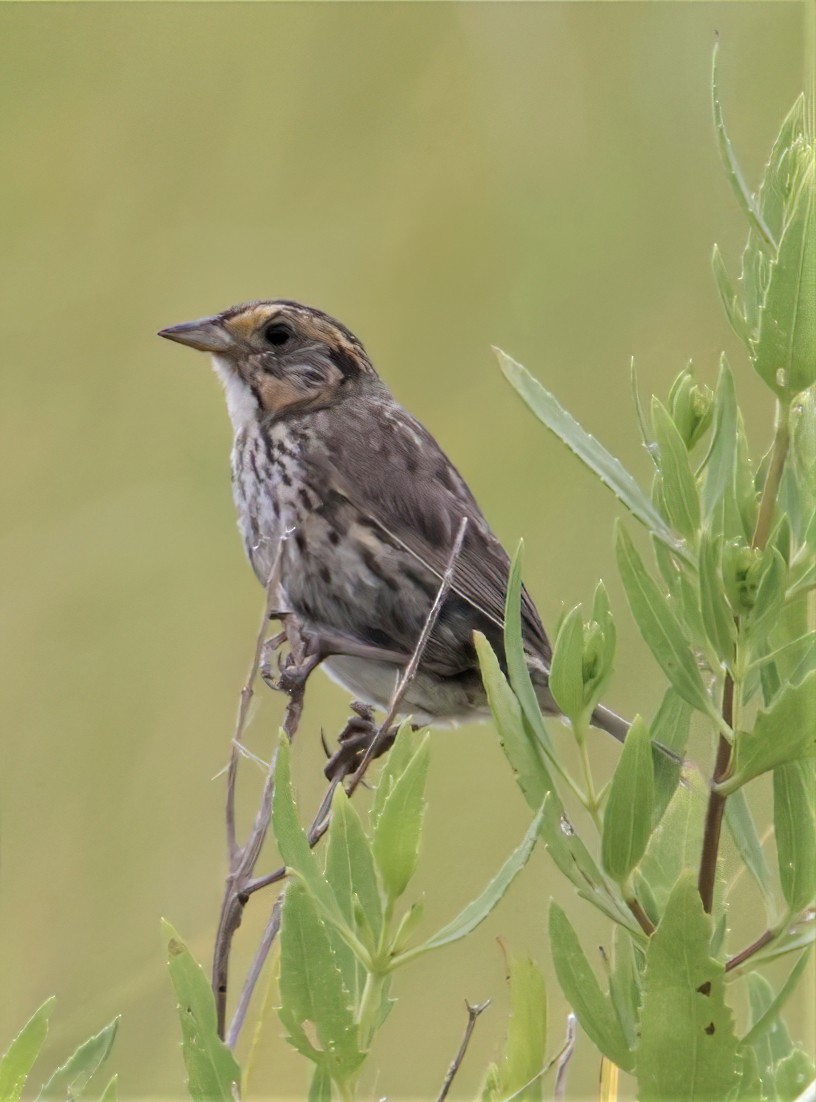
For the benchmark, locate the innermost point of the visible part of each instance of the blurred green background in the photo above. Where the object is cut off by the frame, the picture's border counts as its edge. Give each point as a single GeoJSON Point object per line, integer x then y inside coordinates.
{"type": "Point", "coordinates": [442, 177]}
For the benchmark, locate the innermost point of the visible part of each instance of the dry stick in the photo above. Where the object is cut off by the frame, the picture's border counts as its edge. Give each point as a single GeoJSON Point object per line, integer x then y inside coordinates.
{"type": "Point", "coordinates": [316, 832]}
{"type": "Point", "coordinates": [473, 1012]}
{"type": "Point", "coordinates": [560, 1088]}
{"type": "Point", "coordinates": [320, 823]}
{"type": "Point", "coordinates": [410, 670]}
{"type": "Point", "coordinates": [242, 859]}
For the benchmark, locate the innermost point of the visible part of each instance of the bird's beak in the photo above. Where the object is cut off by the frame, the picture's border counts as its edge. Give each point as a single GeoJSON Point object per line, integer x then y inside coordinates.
{"type": "Point", "coordinates": [206, 334]}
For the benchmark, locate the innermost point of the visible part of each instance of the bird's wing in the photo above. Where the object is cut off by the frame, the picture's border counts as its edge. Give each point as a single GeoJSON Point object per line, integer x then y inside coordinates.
{"type": "Point", "coordinates": [394, 473]}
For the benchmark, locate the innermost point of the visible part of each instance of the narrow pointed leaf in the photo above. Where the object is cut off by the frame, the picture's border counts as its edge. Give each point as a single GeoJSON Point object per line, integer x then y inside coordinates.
{"type": "Point", "coordinates": [732, 168]}
{"type": "Point", "coordinates": [566, 676]}
{"type": "Point", "coordinates": [740, 823]}
{"type": "Point", "coordinates": [212, 1070]}
{"type": "Point", "coordinates": [352, 877]}
{"type": "Point", "coordinates": [718, 618]}
{"type": "Point", "coordinates": [399, 827]}
{"type": "Point", "coordinates": [659, 626]}
{"type": "Point", "coordinates": [23, 1051]}
{"type": "Point", "coordinates": [523, 752]}
{"type": "Point", "coordinates": [720, 463]}
{"type": "Point", "coordinates": [594, 1009]}
{"type": "Point", "coordinates": [517, 670]}
{"type": "Point", "coordinates": [770, 1014]}
{"type": "Point", "coordinates": [728, 297]}
{"type": "Point", "coordinates": [670, 728]}
{"type": "Point", "coordinates": [315, 1005]}
{"type": "Point", "coordinates": [785, 731]}
{"type": "Point", "coordinates": [627, 823]}
{"type": "Point", "coordinates": [688, 1049]}
{"type": "Point", "coordinates": [785, 352]}
{"type": "Point", "coordinates": [608, 469]}
{"type": "Point", "coordinates": [679, 488]}
{"type": "Point", "coordinates": [525, 1047]}
{"type": "Point", "coordinates": [795, 832]}
{"type": "Point", "coordinates": [478, 910]}
{"type": "Point", "coordinates": [624, 986]}
{"type": "Point", "coordinates": [72, 1078]}
{"type": "Point", "coordinates": [295, 849]}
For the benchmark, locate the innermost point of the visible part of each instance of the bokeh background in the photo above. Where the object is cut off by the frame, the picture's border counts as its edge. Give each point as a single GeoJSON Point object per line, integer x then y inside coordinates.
{"type": "Point", "coordinates": [442, 177]}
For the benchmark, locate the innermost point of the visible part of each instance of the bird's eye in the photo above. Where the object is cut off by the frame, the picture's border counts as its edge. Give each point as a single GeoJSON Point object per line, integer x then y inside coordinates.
{"type": "Point", "coordinates": [277, 335]}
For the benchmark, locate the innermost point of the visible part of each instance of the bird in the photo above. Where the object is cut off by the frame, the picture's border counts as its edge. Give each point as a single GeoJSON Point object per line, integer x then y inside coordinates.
{"type": "Point", "coordinates": [359, 507]}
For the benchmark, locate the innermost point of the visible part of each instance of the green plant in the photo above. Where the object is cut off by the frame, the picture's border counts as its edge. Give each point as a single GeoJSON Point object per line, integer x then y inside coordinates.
{"type": "Point", "coordinates": [71, 1079]}
{"type": "Point", "coordinates": [726, 619]}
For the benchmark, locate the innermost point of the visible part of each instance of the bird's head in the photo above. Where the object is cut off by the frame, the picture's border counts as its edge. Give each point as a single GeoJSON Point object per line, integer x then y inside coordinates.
{"type": "Point", "coordinates": [276, 357]}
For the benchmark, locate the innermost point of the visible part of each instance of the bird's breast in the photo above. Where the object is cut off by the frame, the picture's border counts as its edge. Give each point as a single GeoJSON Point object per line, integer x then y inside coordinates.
{"type": "Point", "coordinates": [267, 487]}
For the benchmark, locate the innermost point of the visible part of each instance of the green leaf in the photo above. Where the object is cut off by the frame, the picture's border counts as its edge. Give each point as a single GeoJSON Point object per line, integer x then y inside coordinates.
{"type": "Point", "coordinates": [478, 910]}
{"type": "Point", "coordinates": [740, 823]}
{"type": "Point", "coordinates": [624, 985]}
{"type": "Point", "coordinates": [297, 853]}
{"type": "Point", "coordinates": [352, 877]}
{"type": "Point", "coordinates": [793, 1076]}
{"type": "Point", "coordinates": [679, 488]}
{"type": "Point", "coordinates": [784, 732]}
{"type": "Point", "coordinates": [575, 862]}
{"type": "Point", "coordinates": [523, 751]}
{"type": "Point", "coordinates": [211, 1068]}
{"type": "Point", "coordinates": [608, 469]}
{"type": "Point", "coordinates": [627, 822]}
{"type": "Point", "coordinates": [670, 728]}
{"type": "Point", "coordinates": [524, 1050]}
{"type": "Point", "coordinates": [779, 179]}
{"type": "Point", "coordinates": [728, 297]}
{"type": "Point", "coordinates": [111, 1092]}
{"type": "Point", "coordinates": [72, 1078]}
{"type": "Point", "coordinates": [566, 671]}
{"type": "Point", "coordinates": [594, 1009]}
{"type": "Point", "coordinates": [770, 1045]}
{"type": "Point", "coordinates": [688, 1048]}
{"type": "Point", "coordinates": [717, 616]}
{"type": "Point", "coordinates": [517, 669]}
{"type": "Point", "coordinates": [770, 597]}
{"type": "Point", "coordinates": [785, 351]}
{"type": "Point", "coordinates": [677, 841]}
{"type": "Point", "coordinates": [315, 1005]}
{"type": "Point", "coordinates": [769, 1016]}
{"type": "Point", "coordinates": [732, 168]}
{"type": "Point", "coordinates": [795, 832]}
{"type": "Point", "coordinates": [399, 827]}
{"type": "Point", "coordinates": [720, 463]}
{"type": "Point", "coordinates": [659, 626]}
{"type": "Point", "coordinates": [23, 1051]}
{"type": "Point", "coordinates": [397, 758]}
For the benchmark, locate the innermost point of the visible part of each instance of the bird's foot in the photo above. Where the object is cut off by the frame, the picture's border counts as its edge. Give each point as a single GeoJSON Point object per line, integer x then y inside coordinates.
{"type": "Point", "coordinates": [354, 740]}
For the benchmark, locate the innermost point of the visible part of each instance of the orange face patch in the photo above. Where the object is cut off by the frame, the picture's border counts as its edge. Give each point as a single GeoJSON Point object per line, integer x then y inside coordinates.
{"type": "Point", "coordinates": [245, 325]}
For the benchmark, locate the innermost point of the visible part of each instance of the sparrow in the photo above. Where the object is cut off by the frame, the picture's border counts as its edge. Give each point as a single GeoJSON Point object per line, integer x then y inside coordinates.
{"type": "Point", "coordinates": [368, 507]}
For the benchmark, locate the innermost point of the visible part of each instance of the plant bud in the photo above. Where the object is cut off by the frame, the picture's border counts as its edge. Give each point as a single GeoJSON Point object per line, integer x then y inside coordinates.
{"type": "Point", "coordinates": [741, 569]}
{"type": "Point", "coordinates": [691, 409]}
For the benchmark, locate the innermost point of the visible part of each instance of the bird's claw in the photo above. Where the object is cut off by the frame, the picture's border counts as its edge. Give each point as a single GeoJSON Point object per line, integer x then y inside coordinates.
{"type": "Point", "coordinates": [355, 739]}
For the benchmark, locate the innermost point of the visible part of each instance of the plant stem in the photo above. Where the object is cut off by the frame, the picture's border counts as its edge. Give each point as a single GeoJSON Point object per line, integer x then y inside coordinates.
{"type": "Point", "coordinates": [590, 799]}
{"type": "Point", "coordinates": [716, 805]}
{"type": "Point", "coordinates": [770, 490]}
{"type": "Point", "coordinates": [369, 1005]}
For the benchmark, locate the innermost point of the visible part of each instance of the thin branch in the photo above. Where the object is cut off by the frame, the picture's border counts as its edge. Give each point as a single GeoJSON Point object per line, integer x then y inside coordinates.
{"type": "Point", "coordinates": [561, 1057]}
{"type": "Point", "coordinates": [247, 692]}
{"type": "Point", "coordinates": [560, 1087]}
{"type": "Point", "coordinates": [242, 859]}
{"type": "Point", "coordinates": [410, 670]}
{"type": "Point", "coordinates": [716, 805]}
{"type": "Point", "coordinates": [473, 1012]}
{"type": "Point", "coordinates": [645, 923]}
{"type": "Point", "coordinates": [749, 950]}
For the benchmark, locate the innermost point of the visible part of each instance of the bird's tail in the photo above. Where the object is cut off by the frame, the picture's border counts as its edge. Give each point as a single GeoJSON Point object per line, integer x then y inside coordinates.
{"type": "Point", "coordinates": [611, 722]}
